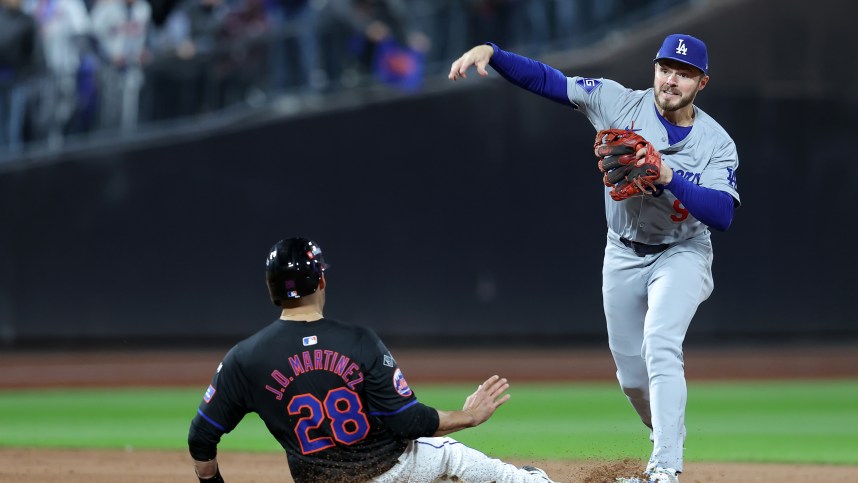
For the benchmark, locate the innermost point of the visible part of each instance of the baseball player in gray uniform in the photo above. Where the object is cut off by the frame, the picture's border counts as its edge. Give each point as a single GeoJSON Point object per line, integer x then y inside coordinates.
{"type": "Point", "coordinates": [658, 255]}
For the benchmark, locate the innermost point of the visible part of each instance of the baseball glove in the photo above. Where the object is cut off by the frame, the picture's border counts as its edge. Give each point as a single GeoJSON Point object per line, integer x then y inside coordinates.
{"type": "Point", "coordinates": [624, 173]}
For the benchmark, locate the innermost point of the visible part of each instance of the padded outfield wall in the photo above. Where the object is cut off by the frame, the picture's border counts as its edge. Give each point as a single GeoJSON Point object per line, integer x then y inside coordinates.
{"type": "Point", "coordinates": [470, 214]}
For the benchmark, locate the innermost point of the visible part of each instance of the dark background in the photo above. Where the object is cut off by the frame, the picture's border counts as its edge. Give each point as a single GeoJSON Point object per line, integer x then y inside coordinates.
{"type": "Point", "coordinates": [472, 213]}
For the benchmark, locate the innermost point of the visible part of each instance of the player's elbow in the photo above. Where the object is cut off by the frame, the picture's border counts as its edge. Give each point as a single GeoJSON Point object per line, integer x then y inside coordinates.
{"type": "Point", "coordinates": [722, 217]}
{"type": "Point", "coordinates": [418, 421]}
{"type": "Point", "coordinates": [721, 225]}
{"type": "Point", "coordinates": [202, 441]}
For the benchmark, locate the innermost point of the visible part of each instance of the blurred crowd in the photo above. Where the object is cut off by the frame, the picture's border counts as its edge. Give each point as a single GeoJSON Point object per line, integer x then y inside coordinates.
{"type": "Point", "coordinates": [75, 67]}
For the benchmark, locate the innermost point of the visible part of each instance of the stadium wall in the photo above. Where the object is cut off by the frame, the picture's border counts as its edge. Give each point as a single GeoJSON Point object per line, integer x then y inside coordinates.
{"type": "Point", "coordinates": [464, 215]}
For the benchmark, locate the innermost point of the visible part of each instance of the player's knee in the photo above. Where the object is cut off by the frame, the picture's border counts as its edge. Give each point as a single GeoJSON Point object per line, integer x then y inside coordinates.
{"type": "Point", "coordinates": [636, 393]}
{"type": "Point", "coordinates": [633, 381]}
{"type": "Point", "coordinates": [660, 352]}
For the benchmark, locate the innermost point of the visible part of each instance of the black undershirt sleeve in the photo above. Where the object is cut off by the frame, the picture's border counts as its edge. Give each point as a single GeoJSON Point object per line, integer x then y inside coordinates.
{"type": "Point", "coordinates": [203, 439]}
{"type": "Point", "coordinates": [222, 411]}
{"type": "Point", "coordinates": [416, 421]}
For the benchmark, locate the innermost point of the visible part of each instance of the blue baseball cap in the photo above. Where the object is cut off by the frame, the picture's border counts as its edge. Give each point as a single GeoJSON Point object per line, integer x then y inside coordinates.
{"type": "Point", "coordinates": [685, 49]}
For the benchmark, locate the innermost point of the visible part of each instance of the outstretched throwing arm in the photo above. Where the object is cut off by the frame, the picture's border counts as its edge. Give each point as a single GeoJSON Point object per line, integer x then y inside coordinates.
{"type": "Point", "coordinates": [536, 77]}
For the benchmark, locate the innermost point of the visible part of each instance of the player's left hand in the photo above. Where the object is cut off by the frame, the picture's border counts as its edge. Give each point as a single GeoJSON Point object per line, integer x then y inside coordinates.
{"type": "Point", "coordinates": [486, 399]}
{"type": "Point", "coordinates": [631, 166]}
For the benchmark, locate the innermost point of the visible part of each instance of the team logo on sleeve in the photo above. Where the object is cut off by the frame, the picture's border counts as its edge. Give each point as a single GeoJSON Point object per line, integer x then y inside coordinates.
{"type": "Point", "coordinates": [388, 361]}
{"type": "Point", "coordinates": [588, 84]}
{"type": "Point", "coordinates": [400, 384]}
{"type": "Point", "coordinates": [731, 178]}
{"type": "Point", "coordinates": [210, 392]}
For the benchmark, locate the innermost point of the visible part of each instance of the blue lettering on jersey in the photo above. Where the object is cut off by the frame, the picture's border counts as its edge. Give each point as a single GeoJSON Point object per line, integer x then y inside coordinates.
{"type": "Point", "coordinates": [588, 84]}
{"type": "Point", "coordinates": [731, 178]}
{"type": "Point", "coordinates": [693, 177]}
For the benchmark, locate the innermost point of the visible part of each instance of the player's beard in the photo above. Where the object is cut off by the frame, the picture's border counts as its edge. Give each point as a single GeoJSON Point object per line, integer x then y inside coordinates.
{"type": "Point", "coordinates": [674, 103]}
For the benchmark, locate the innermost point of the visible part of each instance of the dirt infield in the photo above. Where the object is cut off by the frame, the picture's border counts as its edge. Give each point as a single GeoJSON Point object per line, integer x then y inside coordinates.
{"type": "Point", "coordinates": [74, 466]}
{"type": "Point", "coordinates": [174, 368]}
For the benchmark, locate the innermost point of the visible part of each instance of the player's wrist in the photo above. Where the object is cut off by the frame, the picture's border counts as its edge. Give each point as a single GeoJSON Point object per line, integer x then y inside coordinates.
{"type": "Point", "coordinates": [666, 175]}
{"type": "Point", "coordinates": [207, 476]}
{"type": "Point", "coordinates": [473, 419]}
{"type": "Point", "coordinates": [217, 478]}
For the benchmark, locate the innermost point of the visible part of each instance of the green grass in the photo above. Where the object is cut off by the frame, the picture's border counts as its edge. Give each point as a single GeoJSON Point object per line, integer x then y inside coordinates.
{"type": "Point", "coordinates": [795, 421]}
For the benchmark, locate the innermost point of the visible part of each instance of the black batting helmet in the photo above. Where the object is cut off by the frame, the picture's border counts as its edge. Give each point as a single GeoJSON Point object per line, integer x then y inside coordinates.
{"type": "Point", "coordinates": [293, 269]}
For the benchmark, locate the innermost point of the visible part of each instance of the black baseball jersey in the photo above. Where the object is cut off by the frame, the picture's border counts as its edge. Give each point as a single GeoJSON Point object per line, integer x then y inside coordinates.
{"type": "Point", "coordinates": [330, 393]}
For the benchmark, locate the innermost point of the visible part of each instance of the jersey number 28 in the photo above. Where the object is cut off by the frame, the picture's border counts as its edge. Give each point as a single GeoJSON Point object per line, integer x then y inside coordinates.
{"type": "Point", "coordinates": [342, 407]}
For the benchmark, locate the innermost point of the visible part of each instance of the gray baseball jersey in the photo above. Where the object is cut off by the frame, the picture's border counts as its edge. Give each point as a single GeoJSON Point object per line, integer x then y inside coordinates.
{"type": "Point", "coordinates": [707, 157]}
{"type": "Point", "coordinates": [650, 300]}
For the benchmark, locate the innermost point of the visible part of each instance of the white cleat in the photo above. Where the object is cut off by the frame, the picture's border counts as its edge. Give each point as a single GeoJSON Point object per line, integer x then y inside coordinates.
{"type": "Point", "coordinates": [537, 472]}
{"type": "Point", "coordinates": [663, 475]}
{"type": "Point", "coordinates": [655, 475]}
